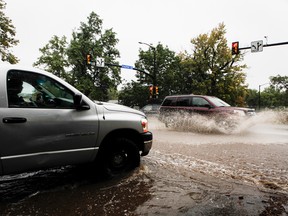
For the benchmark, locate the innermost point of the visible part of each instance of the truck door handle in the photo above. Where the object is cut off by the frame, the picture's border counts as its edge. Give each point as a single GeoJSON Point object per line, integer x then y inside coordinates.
{"type": "Point", "coordinates": [14, 120]}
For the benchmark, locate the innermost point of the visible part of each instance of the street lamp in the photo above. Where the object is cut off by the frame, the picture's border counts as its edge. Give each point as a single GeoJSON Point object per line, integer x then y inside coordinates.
{"type": "Point", "coordinates": [154, 82]}
{"type": "Point", "coordinates": [259, 95]}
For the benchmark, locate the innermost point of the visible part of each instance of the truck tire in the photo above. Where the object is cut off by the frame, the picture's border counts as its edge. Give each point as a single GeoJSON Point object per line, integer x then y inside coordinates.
{"type": "Point", "coordinates": [119, 155]}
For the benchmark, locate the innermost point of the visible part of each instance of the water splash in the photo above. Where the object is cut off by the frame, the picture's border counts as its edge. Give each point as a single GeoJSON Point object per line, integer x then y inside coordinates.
{"type": "Point", "coordinates": [231, 125]}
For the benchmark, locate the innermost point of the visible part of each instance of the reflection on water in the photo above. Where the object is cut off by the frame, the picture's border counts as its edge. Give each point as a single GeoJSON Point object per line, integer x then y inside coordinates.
{"type": "Point", "coordinates": [72, 191]}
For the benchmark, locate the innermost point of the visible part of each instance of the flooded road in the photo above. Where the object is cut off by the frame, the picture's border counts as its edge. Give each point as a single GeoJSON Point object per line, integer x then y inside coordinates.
{"type": "Point", "coordinates": [191, 170]}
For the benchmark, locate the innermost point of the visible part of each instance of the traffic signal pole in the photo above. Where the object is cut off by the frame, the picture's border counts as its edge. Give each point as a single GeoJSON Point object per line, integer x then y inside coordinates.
{"type": "Point", "coordinates": [153, 90]}
{"type": "Point", "coordinates": [129, 67]}
{"type": "Point", "coordinates": [257, 47]}
{"type": "Point", "coordinates": [266, 45]}
{"type": "Point", "coordinates": [89, 61]}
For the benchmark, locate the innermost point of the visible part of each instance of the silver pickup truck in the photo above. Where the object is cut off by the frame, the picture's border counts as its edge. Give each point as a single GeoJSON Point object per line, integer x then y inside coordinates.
{"type": "Point", "coordinates": [46, 122]}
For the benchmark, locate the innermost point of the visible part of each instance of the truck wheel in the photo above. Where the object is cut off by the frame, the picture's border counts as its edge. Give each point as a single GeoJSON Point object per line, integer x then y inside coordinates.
{"type": "Point", "coordinates": [118, 156]}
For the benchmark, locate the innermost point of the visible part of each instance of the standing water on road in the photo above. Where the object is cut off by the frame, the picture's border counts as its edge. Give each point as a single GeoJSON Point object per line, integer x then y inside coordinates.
{"type": "Point", "coordinates": [256, 151]}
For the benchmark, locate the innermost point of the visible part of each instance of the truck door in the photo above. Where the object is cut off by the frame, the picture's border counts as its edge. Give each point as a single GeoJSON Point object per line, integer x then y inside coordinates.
{"type": "Point", "coordinates": [42, 128]}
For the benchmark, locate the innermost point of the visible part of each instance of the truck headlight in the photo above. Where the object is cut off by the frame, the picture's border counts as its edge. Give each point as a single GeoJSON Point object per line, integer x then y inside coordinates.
{"type": "Point", "coordinates": [144, 124]}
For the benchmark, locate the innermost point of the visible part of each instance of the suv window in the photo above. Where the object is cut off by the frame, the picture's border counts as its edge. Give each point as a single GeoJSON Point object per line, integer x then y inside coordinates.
{"type": "Point", "coordinates": [218, 102]}
{"type": "Point", "coordinates": [183, 101]}
{"type": "Point", "coordinates": [170, 101]}
{"type": "Point", "coordinates": [28, 90]}
{"type": "Point", "coordinates": [199, 102]}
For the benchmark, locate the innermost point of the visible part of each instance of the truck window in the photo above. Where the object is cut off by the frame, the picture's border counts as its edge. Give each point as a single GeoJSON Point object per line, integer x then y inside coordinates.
{"type": "Point", "coordinates": [26, 90]}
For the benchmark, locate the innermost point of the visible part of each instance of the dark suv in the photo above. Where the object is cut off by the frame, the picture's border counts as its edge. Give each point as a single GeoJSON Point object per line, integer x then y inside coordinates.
{"type": "Point", "coordinates": [201, 104]}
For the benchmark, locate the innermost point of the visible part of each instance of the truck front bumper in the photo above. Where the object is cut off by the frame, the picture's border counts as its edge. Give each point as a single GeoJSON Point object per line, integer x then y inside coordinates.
{"type": "Point", "coordinates": [147, 143]}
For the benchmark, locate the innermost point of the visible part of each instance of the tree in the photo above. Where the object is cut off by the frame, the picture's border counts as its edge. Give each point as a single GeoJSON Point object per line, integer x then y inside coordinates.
{"type": "Point", "coordinates": [280, 81]}
{"type": "Point", "coordinates": [68, 60]}
{"type": "Point", "coordinates": [167, 68]}
{"type": "Point", "coordinates": [281, 84]}
{"type": "Point", "coordinates": [7, 37]}
{"type": "Point", "coordinates": [54, 58]}
{"type": "Point", "coordinates": [93, 81]}
{"type": "Point", "coordinates": [211, 69]}
{"type": "Point", "coordinates": [271, 97]}
{"type": "Point", "coordinates": [252, 98]}
{"type": "Point", "coordinates": [134, 94]}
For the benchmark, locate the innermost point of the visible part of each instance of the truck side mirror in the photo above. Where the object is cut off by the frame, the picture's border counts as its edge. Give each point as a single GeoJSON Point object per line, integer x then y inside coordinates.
{"type": "Point", "coordinates": [78, 103]}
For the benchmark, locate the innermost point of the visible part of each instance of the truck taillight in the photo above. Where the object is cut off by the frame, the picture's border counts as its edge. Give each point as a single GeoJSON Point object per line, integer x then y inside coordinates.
{"type": "Point", "coordinates": [144, 124]}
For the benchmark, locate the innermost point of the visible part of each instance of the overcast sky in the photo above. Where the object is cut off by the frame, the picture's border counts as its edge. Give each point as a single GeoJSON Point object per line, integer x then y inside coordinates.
{"type": "Point", "coordinates": [170, 22]}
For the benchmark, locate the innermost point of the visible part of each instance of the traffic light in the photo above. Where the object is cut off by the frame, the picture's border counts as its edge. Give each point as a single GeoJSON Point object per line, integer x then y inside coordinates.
{"type": "Point", "coordinates": [151, 91]}
{"type": "Point", "coordinates": [156, 90]}
{"type": "Point", "coordinates": [88, 59]}
{"type": "Point", "coordinates": [235, 48]}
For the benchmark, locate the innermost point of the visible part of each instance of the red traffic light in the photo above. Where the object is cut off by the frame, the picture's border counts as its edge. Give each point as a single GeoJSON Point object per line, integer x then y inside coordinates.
{"type": "Point", "coordinates": [235, 48]}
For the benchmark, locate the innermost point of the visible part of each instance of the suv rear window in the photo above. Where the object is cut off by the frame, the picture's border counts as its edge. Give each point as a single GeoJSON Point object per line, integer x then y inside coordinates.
{"type": "Point", "coordinates": [183, 101]}
{"type": "Point", "coordinates": [170, 101]}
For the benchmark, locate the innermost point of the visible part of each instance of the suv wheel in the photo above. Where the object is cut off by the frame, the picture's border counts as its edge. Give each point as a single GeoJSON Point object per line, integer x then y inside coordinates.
{"type": "Point", "coordinates": [228, 124]}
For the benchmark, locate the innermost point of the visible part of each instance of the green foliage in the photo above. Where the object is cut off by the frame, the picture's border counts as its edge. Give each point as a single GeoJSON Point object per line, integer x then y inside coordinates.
{"type": "Point", "coordinates": [167, 67]}
{"type": "Point", "coordinates": [252, 98]}
{"type": "Point", "coordinates": [280, 81]}
{"type": "Point", "coordinates": [276, 95]}
{"type": "Point", "coordinates": [54, 58]}
{"type": "Point", "coordinates": [7, 36]}
{"type": "Point", "coordinates": [113, 94]}
{"type": "Point", "coordinates": [68, 60]}
{"type": "Point", "coordinates": [270, 97]}
{"type": "Point", "coordinates": [134, 94]}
